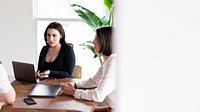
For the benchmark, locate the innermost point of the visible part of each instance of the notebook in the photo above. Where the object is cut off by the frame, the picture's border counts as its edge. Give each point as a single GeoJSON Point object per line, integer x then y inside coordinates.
{"type": "Point", "coordinates": [25, 72]}
{"type": "Point", "coordinates": [44, 90]}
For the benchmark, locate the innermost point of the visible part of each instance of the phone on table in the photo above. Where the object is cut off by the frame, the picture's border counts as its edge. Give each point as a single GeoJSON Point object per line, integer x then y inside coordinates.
{"type": "Point", "coordinates": [29, 101]}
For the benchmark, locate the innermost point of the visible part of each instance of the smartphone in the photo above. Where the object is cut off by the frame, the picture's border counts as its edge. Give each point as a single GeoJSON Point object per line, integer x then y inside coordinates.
{"type": "Point", "coordinates": [29, 101]}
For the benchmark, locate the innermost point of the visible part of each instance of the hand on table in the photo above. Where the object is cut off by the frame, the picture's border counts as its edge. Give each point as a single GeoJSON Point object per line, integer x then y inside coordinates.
{"type": "Point", "coordinates": [67, 88]}
{"type": "Point", "coordinates": [43, 74]}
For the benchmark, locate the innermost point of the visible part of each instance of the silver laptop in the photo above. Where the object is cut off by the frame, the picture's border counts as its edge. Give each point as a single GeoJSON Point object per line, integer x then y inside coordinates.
{"type": "Point", "coordinates": [25, 72]}
{"type": "Point", "coordinates": [44, 90]}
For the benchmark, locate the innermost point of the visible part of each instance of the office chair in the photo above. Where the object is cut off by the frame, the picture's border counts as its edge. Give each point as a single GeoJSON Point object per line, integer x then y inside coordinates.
{"type": "Point", "coordinates": [77, 72]}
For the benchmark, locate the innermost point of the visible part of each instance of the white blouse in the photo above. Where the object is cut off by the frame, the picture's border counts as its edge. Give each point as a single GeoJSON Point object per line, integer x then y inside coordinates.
{"type": "Point", "coordinates": [4, 82]}
{"type": "Point", "coordinates": [104, 81]}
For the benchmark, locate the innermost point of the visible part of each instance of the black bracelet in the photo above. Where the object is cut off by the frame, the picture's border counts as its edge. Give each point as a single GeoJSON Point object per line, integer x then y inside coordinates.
{"type": "Point", "coordinates": [75, 86]}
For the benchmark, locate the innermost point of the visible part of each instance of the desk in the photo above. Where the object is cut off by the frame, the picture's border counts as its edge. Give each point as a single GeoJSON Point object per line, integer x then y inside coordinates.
{"type": "Point", "coordinates": [62, 103]}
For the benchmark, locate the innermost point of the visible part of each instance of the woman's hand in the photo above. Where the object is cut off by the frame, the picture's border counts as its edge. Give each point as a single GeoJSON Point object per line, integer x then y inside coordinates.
{"type": "Point", "coordinates": [68, 88]}
{"type": "Point", "coordinates": [43, 74]}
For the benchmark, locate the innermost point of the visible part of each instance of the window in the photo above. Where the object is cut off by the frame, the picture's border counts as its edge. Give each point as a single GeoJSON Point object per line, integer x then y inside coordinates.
{"type": "Point", "coordinates": [77, 32]}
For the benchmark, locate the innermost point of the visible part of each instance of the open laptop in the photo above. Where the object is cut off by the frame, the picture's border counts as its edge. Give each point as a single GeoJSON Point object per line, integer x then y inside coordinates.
{"type": "Point", "coordinates": [44, 90]}
{"type": "Point", "coordinates": [25, 72]}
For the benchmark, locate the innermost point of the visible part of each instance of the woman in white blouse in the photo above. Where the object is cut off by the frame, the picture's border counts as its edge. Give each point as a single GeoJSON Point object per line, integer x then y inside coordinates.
{"type": "Point", "coordinates": [6, 90]}
{"type": "Point", "coordinates": [104, 81]}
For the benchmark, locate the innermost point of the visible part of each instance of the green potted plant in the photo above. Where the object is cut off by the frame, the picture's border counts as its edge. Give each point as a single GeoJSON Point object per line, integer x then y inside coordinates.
{"type": "Point", "coordinates": [95, 22]}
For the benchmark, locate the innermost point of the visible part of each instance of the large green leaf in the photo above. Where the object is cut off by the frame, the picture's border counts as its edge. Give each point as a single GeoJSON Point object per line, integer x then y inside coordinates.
{"type": "Point", "coordinates": [95, 22]}
{"type": "Point", "coordinates": [108, 4]}
{"type": "Point", "coordinates": [88, 16]}
{"type": "Point", "coordinates": [105, 21]}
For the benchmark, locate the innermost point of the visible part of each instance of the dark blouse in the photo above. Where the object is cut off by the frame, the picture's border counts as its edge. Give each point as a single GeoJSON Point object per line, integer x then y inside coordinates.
{"type": "Point", "coordinates": [62, 66]}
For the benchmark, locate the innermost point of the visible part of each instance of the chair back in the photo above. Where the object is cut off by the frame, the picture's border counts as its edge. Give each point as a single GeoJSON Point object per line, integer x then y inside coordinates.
{"type": "Point", "coordinates": [77, 72]}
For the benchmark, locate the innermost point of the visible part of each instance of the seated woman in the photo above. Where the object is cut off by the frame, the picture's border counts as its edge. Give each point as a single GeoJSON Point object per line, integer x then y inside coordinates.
{"type": "Point", "coordinates": [104, 81]}
{"type": "Point", "coordinates": [7, 92]}
{"type": "Point", "coordinates": [57, 58]}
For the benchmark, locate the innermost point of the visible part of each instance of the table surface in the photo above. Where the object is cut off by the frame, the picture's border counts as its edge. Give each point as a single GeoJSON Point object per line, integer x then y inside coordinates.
{"type": "Point", "coordinates": [61, 103]}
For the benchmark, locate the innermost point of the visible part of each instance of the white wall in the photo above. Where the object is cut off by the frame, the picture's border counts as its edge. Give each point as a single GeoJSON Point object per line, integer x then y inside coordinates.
{"type": "Point", "coordinates": [17, 37]}
{"type": "Point", "coordinates": [159, 55]}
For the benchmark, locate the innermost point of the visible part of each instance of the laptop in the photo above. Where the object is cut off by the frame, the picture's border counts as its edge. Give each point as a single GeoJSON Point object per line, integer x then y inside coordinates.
{"type": "Point", "coordinates": [26, 72]}
{"type": "Point", "coordinates": [44, 90]}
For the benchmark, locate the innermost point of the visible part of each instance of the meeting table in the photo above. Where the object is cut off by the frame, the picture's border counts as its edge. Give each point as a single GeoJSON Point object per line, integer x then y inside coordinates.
{"type": "Point", "coordinates": [60, 103]}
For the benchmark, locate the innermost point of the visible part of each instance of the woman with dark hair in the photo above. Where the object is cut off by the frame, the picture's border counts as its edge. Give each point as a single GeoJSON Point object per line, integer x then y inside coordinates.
{"type": "Point", "coordinates": [102, 84]}
{"type": "Point", "coordinates": [57, 58]}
